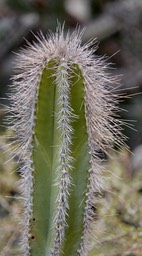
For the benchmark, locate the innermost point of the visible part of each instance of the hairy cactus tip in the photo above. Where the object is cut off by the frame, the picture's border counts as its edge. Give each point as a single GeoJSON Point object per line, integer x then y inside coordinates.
{"type": "Point", "coordinates": [63, 113]}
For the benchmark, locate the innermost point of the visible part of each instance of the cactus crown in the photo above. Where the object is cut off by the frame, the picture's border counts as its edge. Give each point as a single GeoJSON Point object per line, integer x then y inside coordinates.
{"type": "Point", "coordinates": [63, 114]}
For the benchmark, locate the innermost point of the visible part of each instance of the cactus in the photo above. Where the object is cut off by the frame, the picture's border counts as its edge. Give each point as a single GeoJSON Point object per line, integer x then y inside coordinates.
{"type": "Point", "coordinates": [63, 114]}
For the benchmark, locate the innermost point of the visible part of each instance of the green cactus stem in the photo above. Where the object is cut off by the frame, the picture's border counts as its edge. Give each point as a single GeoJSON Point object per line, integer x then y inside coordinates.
{"type": "Point", "coordinates": [63, 114]}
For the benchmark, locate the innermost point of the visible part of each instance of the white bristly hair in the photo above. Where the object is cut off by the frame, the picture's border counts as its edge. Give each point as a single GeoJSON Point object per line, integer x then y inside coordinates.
{"type": "Point", "coordinates": [100, 109]}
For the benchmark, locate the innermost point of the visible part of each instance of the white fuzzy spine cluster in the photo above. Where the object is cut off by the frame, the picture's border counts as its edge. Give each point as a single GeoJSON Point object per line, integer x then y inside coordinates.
{"type": "Point", "coordinates": [64, 117]}
{"type": "Point", "coordinates": [23, 97]}
{"type": "Point", "coordinates": [94, 189]}
{"type": "Point", "coordinates": [101, 125]}
{"type": "Point", "coordinates": [100, 108]}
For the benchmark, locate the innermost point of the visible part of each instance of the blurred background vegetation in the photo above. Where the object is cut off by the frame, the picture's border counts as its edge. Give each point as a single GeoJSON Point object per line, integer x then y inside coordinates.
{"type": "Point", "coordinates": [117, 25]}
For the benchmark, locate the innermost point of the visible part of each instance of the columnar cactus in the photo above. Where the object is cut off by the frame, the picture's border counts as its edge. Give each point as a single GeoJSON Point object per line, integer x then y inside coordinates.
{"type": "Point", "coordinates": [63, 114]}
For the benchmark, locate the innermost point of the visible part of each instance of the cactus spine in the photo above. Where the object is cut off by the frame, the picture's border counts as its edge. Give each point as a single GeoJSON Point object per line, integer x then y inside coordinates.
{"type": "Point", "coordinates": [63, 115]}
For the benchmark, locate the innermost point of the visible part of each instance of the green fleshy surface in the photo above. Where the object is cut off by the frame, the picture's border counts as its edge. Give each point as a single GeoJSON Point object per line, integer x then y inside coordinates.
{"type": "Point", "coordinates": [47, 141]}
